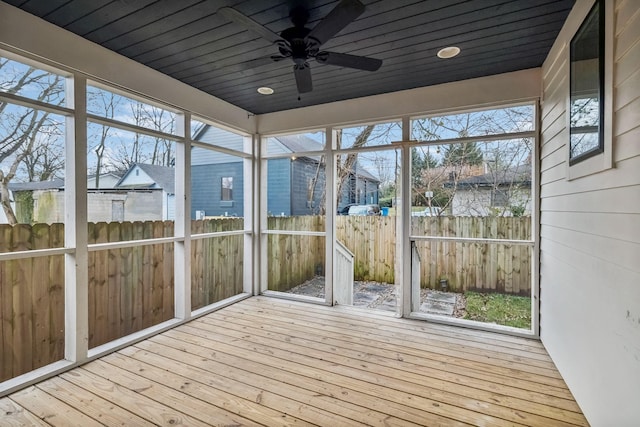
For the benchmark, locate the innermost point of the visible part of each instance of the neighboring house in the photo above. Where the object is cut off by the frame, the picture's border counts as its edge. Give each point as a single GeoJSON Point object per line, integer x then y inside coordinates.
{"type": "Point", "coordinates": [360, 188]}
{"type": "Point", "coordinates": [143, 193]}
{"type": "Point", "coordinates": [107, 180]}
{"type": "Point", "coordinates": [155, 179]}
{"type": "Point", "coordinates": [43, 200]}
{"type": "Point", "coordinates": [505, 192]}
{"type": "Point", "coordinates": [295, 183]}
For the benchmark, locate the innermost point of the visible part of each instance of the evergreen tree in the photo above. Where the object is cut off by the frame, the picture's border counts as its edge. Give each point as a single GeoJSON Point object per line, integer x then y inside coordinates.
{"type": "Point", "coordinates": [466, 153]}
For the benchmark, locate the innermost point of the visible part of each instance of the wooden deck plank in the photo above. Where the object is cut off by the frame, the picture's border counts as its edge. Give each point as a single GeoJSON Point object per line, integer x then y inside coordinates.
{"type": "Point", "coordinates": [190, 393]}
{"type": "Point", "coordinates": [280, 396]}
{"type": "Point", "coordinates": [13, 414]}
{"type": "Point", "coordinates": [493, 359]}
{"type": "Point", "coordinates": [90, 404]}
{"type": "Point", "coordinates": [390, 357]}
{"type": "Point", "coordinates": [498, 405]}
{"type": "Point", "coordinates": [55, 412]}
{"type": "Point", "coordinates": [265, 361]}
{"type": "Point", "coordinates": [322, 386]}
{"type": "Point", "coordinates": [131, 397]}
{"type": "Point", "coordinates": [434, 329]}
{"type": "Point", "coordinates": [462, 344]}
{"type": "Point", "coordinates": [276, 361]}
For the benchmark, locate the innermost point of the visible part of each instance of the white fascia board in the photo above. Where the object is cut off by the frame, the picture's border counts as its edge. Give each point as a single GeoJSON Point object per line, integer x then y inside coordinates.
{"type": "Point", "coordinates": [23, 32]}
{"type": "Point", "coordinates": [508, 88]}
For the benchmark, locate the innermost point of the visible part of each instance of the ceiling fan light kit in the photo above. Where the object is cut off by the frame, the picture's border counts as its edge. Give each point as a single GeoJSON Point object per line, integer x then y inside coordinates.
{"type": "Point", "coordinates": [301, 44]}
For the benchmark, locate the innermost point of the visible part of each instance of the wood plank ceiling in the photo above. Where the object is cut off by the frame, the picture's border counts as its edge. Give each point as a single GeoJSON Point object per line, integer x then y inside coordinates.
{"type": "Point", "coordinates": [189, 41]}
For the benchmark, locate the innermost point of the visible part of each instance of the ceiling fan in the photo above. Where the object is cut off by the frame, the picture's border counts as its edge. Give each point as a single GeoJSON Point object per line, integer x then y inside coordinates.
{"type": "Point", "coordinates": [301, 44]}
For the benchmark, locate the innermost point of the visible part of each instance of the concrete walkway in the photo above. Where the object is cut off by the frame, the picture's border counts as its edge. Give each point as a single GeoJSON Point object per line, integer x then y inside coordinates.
{"type": "Point", "coordinates": [382, 296]}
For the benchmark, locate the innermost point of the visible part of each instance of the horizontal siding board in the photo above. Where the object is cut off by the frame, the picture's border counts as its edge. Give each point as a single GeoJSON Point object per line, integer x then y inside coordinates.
{"type": "Point", "coordinates": [552, 157]}
{"type": "Point", "coordinates": [626, 12]}
{"type": "Point", "coordinates": [608, 225]}
{"type": "Point", "coordinates": [624, 175]}
{"type": "Point", "coordinates": [585, 268]}
{"type": "Point", "coordinates": [553, 145]}
{"type": "Point", "coordinates": [627, 91]}
{"type": "Point", "coordinates": [627, 145]}
{"type": "Point", "coordinates": [628, 37]}
{"type": "Point", "coordinates": [617, 253]}
{"type": "Point", "coordinates": [553, 174]}
{"type": "Point", "coordinates": [627, 64]}
{"type": "Point", "coordinates": [554, 95]}
{"type": "Point", "coordinates": [557, 127]}
{"type": "Point", "coordinates": [613, 200]}
{"type": "Point", "coordinates": [627, 118]}
{"type": "Point", "coordinates": [554, 102]}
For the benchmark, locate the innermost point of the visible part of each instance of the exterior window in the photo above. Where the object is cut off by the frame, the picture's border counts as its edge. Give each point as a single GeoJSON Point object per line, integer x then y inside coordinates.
{"type": "Point", "coordinates": [587, 87]}
{"type": "Point", "coordinates": [227, 188]}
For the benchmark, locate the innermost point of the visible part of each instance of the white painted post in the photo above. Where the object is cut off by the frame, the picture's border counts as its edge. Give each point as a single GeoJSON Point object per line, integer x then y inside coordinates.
{"type": "Point", "coordinates": [330, 218]}
{"type": "Point", "coordinates": [403, 225]}
{"type": "Point", "coordinates": [535, 227]}
{"type": "Point", "coordinates": [76, 293]}
{"type": "Point", "coordinates": [249, 198]}
{"type": "Point", "coordinates": [182, 225]}
{"type": "Point", "coordinates": [261, 190]}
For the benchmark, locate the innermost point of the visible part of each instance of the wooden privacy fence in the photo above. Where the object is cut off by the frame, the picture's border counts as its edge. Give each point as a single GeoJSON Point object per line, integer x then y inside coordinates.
{"type": "Point", "coordinates": [467, 266]}
{"type": "Point", "coordinates": [372, 239]}
{"type": "Point", "coordinates": [293, 259]}
{"type": "Point", "coordinates": [31, 300]}
{"type": "Point", "coordinates": [133, 288]}
{"type": "Point", "coordinates": [129, 288]}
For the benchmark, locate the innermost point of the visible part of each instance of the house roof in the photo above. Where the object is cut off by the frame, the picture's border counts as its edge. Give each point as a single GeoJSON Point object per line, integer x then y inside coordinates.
{"type": "Point", "coordinates": [520, 175]}
{"type": "Point", "coordinates": [162, 176]}
{"type": "Point", "coordinates": [56, 183]}
{"type": "Point", "coordinates": [192, 42]}
{"type": "Point", "coordinates": [301, 143]}
{"type": "Point", "coordinates": [363, 173]}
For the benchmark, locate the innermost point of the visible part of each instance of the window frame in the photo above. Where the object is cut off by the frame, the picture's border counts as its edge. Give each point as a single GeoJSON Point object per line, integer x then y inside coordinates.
{"type": "Point", "coordinates": [601, 160]}
{"type": "Point", "coordinates": [601, 93]}
{"type": "Point", "coordinates": [226, 191]}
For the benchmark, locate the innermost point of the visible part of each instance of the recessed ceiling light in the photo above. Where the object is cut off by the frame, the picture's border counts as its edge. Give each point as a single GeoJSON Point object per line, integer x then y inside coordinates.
{"type": "Point", "coordinates": [448, 52]}
{"type": "Point", "coordinates": [265, 90]}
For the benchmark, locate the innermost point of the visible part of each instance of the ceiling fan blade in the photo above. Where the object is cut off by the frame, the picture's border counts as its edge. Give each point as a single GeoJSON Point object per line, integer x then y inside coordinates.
{"type": "Point", "coordinates": [303, 77]}
{"type": "Point", "coordinates": [349, 61]}
{"type": "Point", "coordinates": [341, 16]}
{"type": "Point", "coordinates": [249, 24]}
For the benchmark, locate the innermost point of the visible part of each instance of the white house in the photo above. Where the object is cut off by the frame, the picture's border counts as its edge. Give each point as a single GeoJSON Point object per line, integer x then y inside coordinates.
{"type": "Point", "coordinates": [155, 179]}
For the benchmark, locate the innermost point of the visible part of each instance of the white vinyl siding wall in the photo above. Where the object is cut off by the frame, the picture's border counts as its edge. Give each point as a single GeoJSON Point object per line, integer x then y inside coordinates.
{"type": "Point", "coordinates": [590, 236]}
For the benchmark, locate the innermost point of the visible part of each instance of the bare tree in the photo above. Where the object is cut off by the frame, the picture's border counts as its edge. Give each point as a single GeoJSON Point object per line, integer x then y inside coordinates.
{"type": "Point", "coordinates": [25, 131]}
{"type": "Point", "coordinates": [104, 103]}
{"type": "Point", "coordinates": [346, 166]}
{"type": "Point", "coordinates": [500, 168]}
{"type": "Point", "coordinates": [140, 148]}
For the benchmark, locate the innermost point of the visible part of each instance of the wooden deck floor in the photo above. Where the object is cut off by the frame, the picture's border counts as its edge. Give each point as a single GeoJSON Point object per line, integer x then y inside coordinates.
{"type": "Point", "coordinates": [265, 361]}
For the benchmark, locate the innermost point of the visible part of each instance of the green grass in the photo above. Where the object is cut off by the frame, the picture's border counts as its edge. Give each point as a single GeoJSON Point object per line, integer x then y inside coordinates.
{"type": "Point", "coordinates": [507, 310]}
